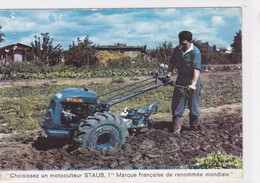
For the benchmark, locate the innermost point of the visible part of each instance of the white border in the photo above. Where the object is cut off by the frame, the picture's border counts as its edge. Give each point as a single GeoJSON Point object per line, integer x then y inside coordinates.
{"type": "Point", "coordinates": [251, 65]}
{"type": "Point", "coordinates": [37, 4]}
{"type": "Point", "coordinates": [255, 90]}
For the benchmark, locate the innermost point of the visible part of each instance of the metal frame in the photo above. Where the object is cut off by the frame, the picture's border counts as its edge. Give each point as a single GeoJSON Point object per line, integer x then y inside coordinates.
{"type": "Point", "coordinates": [125, 95]}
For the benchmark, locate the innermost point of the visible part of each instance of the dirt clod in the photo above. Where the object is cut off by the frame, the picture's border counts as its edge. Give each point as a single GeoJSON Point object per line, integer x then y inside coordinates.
{"type": "Point", "coordinates": [157, 149]}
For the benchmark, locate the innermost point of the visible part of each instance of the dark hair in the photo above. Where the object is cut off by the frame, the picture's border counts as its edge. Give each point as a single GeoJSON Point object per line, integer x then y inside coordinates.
{"type": "Point", "coordinates": [185, 35]}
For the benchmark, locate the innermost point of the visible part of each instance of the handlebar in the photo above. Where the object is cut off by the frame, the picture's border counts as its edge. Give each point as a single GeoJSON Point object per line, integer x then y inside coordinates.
{"type": "Point", "coordinates": [168, 81]}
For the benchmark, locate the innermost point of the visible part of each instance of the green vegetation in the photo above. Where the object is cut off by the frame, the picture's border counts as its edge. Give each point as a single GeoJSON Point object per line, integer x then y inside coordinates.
{"type": "Point", "coordinates": [45, 52]}
{"type": "Point", "coordinates": [81, 54]}
{"type": "Point", "coordinates": [217, 160]}
{"type": "Point", "coordinates": [163, 52]}
{"type": "Point", "coordinates": [80, 73]}
{"type": "Point", "coordinates": [23, 107]}
{"type": "Point", "coordinates": [237, 47]}
{"type": "Point", "coordinates": [23, 70]}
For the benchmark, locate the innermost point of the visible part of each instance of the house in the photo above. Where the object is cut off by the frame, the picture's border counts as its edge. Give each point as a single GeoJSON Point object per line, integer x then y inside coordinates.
{"type": "Point", "coordinates": [224, 50]}
{"type": "Point", "coordinates": [131, 51]}
{"type": "Point", "coordinates": [14, 53]}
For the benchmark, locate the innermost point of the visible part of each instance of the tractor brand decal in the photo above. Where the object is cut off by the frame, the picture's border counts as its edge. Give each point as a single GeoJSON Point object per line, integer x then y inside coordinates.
{"type": "Point", "coordinates": [75, 100]}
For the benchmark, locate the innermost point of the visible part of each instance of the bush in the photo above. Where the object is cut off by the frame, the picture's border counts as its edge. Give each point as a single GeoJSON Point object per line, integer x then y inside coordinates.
{"type": "Point", "coordinates": [209, 56]}
{"type": "Point", "coordinates": [236, 58]}
{"type": "Point", "coordinates": [33, 70]}
{"type": "Point", "coordinates": [82, 54]}
{"type": "Point", "coordinates": [217, 160]}
{"type": "Point", "coordinates": [19, 67]}
{"type": "Point", "coordinates": [119, 63]}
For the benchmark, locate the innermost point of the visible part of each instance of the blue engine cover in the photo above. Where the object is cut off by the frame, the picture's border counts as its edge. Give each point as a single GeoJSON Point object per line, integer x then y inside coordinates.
{"type": "Point", "coordinates": [87, 95]}
{"type": "Point", "coordinates": [52, 120]}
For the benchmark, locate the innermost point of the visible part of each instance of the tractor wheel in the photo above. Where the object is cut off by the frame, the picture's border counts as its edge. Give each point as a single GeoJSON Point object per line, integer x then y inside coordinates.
{"type": "Point", "coordinates": [101, 131]}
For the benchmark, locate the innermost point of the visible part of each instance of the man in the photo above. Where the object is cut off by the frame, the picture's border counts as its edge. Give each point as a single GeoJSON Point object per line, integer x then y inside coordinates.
{"type": "Point", "coordinates": [187, 59]}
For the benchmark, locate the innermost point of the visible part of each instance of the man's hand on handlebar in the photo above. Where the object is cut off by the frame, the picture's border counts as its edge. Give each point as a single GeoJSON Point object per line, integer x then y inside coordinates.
{"type": "Point", "coordinates": [192, 87]}
{"type": "Point", "coordinates": [168, 75]}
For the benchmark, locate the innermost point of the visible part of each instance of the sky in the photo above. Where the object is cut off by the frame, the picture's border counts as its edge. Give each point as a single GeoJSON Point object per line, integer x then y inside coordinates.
{"type": "Point", "coordinates": [135, 27]}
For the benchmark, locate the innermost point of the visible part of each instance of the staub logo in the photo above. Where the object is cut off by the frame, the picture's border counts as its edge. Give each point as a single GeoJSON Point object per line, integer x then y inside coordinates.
{"type": "Point", "coordinates": [76, 100]}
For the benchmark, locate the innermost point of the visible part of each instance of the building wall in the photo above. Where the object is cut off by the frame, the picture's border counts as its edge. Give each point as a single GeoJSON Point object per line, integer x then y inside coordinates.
{"type": "Point", "coordinates": [13, 53]}
{"type": "Point", "coordinates": [132, 54]}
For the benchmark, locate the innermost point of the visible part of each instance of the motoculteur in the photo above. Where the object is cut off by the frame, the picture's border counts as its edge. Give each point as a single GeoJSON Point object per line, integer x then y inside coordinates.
{"type": "Point", "coordinates": [76, 113]}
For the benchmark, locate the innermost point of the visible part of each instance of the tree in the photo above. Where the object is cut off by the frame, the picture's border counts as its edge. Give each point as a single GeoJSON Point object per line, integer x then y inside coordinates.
{"type": "Point", "coordinates": [81, 54]}
{"type": "Point", "coordinates": [163, 52]}
{"type": "Point", "coordinates": [1, 35]}
{"type": "Point", "coordinates": [46, 52]}
{"type": "Point", "coordinates": [214, 48]}
{"type": "Point", "coordinates": [237, 43]}
{"type": "Point", "coordinates": [236, 55]}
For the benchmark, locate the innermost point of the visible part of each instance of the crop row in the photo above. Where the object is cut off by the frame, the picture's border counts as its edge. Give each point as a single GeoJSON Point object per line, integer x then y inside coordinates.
{"type": "Point", "coordinates": [113, 72]}
{"type": "Point", "coordinates": [30, 72]}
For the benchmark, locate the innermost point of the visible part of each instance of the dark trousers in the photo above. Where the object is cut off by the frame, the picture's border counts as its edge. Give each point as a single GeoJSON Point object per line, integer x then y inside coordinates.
{"type": "Point", "coordinates": [179, 101]}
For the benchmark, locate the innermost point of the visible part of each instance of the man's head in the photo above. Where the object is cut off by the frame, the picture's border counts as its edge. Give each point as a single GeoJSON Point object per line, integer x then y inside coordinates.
{"type": "Point", "coordinates": [185, 38]}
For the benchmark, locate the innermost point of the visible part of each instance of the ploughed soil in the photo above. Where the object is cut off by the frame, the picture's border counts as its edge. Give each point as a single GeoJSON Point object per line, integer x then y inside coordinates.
{"type": "Point", "coordinates": [156, 149]}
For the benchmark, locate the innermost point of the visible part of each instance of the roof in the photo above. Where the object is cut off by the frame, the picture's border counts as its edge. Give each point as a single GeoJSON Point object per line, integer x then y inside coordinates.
{"type": "Point", "coordinates": [12, 45]}
{"type": "Point", "coordinates": [222, 48]}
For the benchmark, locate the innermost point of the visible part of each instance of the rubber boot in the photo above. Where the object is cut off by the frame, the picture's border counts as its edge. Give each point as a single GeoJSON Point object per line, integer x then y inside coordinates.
{"type": "Point", "coordinates": [194, 124]}
{"type": "Point", "coordinates": [177, 121]}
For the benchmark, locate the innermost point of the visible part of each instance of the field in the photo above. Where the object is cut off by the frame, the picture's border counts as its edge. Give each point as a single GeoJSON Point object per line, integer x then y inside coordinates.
{"type": "Point", "coordinates": [25, 147]}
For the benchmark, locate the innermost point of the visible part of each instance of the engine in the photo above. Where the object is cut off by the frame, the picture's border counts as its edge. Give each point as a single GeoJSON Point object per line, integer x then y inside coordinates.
{"type": "Point", "coordinates": [74, 112]}
{"type": "Point", "coordinates": [66, 109]}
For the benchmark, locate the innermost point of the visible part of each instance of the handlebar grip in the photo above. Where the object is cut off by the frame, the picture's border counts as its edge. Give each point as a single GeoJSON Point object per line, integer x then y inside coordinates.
{"type": "Point", "coordinates": [167, 81]}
